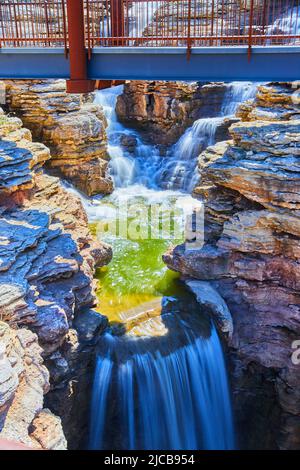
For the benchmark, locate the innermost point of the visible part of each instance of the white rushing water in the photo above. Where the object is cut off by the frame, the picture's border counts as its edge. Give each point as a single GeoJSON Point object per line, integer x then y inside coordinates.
{"type": "Point", "coordinates": [180, 167]}
{"type": "Point", "coordinates": [288, 23]}
{"type": "Point", "coordinates": [169, 395]}
{"type": "Point", "coordinates": [125, 168]}
{"type": "Point", "coordinates": [177, 170]}
{"type": "Point", "coordinates": [141, 14]}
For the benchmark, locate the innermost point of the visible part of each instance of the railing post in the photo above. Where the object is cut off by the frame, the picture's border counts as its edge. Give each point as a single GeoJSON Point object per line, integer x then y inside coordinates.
{"type": "Point", "coordinates": [264, 20]}
{"type": "Point", "coordinates": [117, 21]}
{"type": "Point", "coordinates": [47, 23]}
{"type": "Point", "coordinates": [189, 42]}
{"type": "Point", "coordinates": [251, 16]}
{"type": "Point", "coordinates": [212, 21]}
{"type": "Point", "coordinates": [78, 82]}
{"type": "Point", "coordinates": [1, 22]}
{"type": "Point", "coordinates": [64, 17]}
{"type": "Point", "coordinates": [16, 24]}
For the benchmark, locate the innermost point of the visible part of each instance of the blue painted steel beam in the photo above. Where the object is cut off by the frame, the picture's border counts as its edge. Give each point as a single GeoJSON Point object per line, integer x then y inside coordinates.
{"type": "Point", "coordinates": [205, 64]}
{"type": "Point", "coordinates": [33, 63]}
{"type": "Point", "coordinates": [272, 63]}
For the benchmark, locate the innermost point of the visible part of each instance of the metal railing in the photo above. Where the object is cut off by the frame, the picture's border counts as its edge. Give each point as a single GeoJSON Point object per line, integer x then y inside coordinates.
{"type": "Point", "coordinates": [163, 23]}
{"type": "Point", "coordinates": [33, 23]}
{"type": "Point", "coordinates": [153, 23]}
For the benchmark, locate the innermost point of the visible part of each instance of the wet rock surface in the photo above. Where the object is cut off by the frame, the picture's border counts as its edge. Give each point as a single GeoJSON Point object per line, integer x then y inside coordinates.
{"type": "Point", "coordinates": [251, 257]}
{"type": "Point", "coordinates": [213, 304]}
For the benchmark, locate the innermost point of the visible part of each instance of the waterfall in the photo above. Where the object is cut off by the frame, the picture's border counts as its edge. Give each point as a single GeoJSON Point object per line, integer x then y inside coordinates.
{"type": "Point", "coordinates": [122, 167]}
{"type": "Point", "coordinates": [237, 93]}
{"type": "Point", "coordinates": [126, 170]}
{"type": "Point", "coordinates": [179, 169]}
{"type": "Point", "coordinates": [176, 171]}
{"type": "Point", "coordinates": [168, 394]}
{"type": "Point", "coordinates": [161, 384]}
{"type": "Point", "coordinates": [142, 14]}
{"type": "Point", "coordinates": [139, 16]}
{"type": "Point", "coordinates": [286, 23]}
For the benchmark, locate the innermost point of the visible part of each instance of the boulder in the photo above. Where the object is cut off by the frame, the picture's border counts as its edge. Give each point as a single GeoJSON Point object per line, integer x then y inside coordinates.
{"type": "Point", "coordinates": [213, 303]}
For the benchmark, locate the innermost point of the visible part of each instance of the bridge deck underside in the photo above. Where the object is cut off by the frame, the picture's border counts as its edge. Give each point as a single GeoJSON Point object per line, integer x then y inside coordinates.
{"type": "Point", "coordinates": [221, 64]}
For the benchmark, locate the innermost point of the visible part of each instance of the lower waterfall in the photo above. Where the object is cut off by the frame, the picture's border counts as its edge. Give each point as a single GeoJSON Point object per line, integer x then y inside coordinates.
{"type": "Point", "coordinates": [160, 378]}
{"type": "Point", "coordinates": [166, 393]}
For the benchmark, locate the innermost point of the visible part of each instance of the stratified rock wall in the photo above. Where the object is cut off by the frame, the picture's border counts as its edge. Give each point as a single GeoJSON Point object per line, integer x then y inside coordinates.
{"type": "Point", "coordinates": [47, 262]}
{"type": "Point", "coordinates": [23, 382]}
{"type": "Point", "coordinates": [70, 125]}
{"type": "Point", "coordinates": [163, 110]}
{"type": "Point", "coordinates": [251, 188]}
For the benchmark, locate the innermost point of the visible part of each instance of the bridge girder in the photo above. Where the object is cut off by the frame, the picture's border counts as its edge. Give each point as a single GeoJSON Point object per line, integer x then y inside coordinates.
{"type": "Point", "coordinates": [272, 63]}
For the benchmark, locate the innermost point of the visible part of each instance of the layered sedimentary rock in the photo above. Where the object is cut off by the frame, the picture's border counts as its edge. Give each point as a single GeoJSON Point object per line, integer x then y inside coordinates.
{"type": "Point", "coordinates": [23, 382]}
{"type": "Point", "coordinates": [250, 187]}
{"type": "Point", "coordinates": [163, 110]}
{"type": "Point", "coordinates": [71, 126]}
{"type": "Point", "coordinates": [47, 262]}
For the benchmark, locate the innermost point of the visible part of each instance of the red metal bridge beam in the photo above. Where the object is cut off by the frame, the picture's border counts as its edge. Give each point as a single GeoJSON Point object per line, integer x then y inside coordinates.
{"type": "Point", "coordinates": [103, 84]}
{"type": "Point", "coordinates": [117, 22]}
{"type": "Point", "coordinates": [79, 82]}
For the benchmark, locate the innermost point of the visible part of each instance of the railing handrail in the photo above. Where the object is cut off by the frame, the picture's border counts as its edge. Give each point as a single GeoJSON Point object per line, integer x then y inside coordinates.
{"type": "Point", "coordinates": [181, 23]}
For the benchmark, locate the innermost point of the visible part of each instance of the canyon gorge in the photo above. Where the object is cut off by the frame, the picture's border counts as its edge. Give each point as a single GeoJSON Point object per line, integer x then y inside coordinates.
{"type": "Point", "coordinates": [75, 298]}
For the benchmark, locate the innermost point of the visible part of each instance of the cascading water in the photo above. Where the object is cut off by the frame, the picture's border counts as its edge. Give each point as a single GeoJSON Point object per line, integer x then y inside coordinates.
{"type": "Point", "coordinates": [163, 384]}
{"type": "Point", "coordinates": [141, 15]}
{"type": "Point", "coordinates": [127, 170]}
{"type": "Point", "coordinates": [169, 392]}
{"type": "Point", "coordinates": [176, 171]}
{"type": "Point", "coordinates": [237, 93]}
{"type": "Point", "coordinates": [286, 23]}
{"type": "Point", "coordinates": [179, 169]}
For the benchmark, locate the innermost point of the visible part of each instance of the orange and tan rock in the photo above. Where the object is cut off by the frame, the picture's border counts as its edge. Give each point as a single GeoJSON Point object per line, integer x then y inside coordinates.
{"type": "Point", "coordinates": [23, 382]}
{"type": "Point", "coordinates": [163, 110]}
{"type": "Point", "coordinates": [70, 125]}
{"type": "Point", "coordinates": [46, 429]}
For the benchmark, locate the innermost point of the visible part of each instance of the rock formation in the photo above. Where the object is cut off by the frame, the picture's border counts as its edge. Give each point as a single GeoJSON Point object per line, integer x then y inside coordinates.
{"type": "Point", "coordinates": [47, 262]}
{"type": "Point", "coordinates": [71, 126]}
{"type": "Point", "coordinates": [163, 110]}
{"type": "Point", "coordinates": [250, 187]}
{"type": "Point", "coordinates": [23, 381]}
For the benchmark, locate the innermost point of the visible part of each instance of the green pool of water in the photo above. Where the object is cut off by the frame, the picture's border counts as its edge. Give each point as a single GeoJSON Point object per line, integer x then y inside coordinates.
{"type": "Point", "coordinates": [136, 274]}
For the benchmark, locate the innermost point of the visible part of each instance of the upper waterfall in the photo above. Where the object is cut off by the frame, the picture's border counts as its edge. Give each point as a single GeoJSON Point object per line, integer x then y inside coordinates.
{"type": "Point", "coordinates": [177, 170]}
